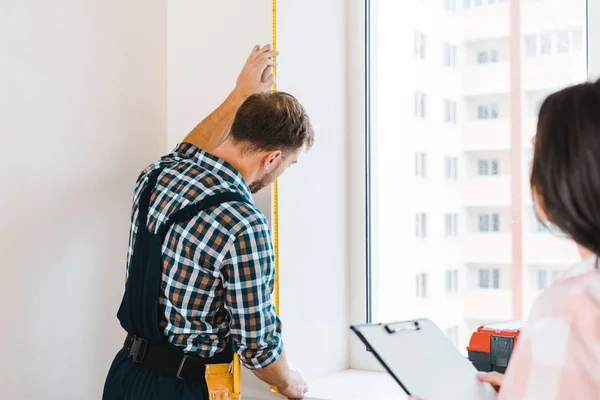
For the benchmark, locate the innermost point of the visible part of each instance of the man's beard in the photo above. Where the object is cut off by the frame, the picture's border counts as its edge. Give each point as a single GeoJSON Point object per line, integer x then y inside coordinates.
{"type": "Point", "coordinates": [264, 181]}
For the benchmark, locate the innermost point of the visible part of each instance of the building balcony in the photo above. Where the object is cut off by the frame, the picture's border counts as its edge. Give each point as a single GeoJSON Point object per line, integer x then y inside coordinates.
{"type": "Point", "coordinates": [487, 304]}
{"type": "Point", "coordinates": [486, 191]}
{"type": "Point", "coordinates": [488, 22]}
{"type": "Point", "coordinates": [548, 249]}
{"type": "Point", "coordinates": [485, 79]}
{"type": "Point", "coordinates": [486, 135]}
{"type": "Point", "coordinates": [489, 248]}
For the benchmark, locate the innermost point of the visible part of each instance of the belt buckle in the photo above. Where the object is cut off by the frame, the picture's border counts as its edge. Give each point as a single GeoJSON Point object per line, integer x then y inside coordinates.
{"type": "Point", "coordinates": [181, 365]}
{"type": "Point", "coordinates": [138, 349]}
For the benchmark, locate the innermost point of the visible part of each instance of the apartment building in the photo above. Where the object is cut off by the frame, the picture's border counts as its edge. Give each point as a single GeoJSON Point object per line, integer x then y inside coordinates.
{"type": "Point", "coordinates": [457, 90]}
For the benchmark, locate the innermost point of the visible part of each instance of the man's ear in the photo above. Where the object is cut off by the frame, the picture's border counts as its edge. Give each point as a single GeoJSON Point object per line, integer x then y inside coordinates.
{"type": "Point", "coordinates": [272, 159]}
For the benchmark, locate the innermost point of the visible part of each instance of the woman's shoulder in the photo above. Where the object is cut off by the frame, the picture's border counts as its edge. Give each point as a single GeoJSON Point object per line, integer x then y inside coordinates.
{"type": "Point", "coordinates": [575, 293]}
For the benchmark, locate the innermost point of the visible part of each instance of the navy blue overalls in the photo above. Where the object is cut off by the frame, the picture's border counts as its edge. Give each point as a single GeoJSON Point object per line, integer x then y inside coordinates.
{"type": "Point", "coordinates": [149, 367]}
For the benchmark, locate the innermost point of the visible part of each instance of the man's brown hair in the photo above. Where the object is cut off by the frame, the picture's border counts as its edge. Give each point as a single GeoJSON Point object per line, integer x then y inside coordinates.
{"type": "Point", "coordinates": [272, 121]}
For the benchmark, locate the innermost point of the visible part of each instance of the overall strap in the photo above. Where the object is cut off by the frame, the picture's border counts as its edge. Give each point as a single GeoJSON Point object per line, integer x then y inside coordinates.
{"type": "Point", "coordinates": [144, 203]}
{"type": "Point", "coordinates": [191, 210]}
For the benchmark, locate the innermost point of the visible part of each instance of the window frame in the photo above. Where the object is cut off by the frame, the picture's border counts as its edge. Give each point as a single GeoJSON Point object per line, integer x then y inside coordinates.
{"type": "Point", "coordinates": [362, 53]}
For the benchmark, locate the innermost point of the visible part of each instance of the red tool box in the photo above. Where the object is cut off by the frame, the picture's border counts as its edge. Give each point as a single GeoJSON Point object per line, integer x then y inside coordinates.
{"type": "Point", "coordinates": [492, 345]}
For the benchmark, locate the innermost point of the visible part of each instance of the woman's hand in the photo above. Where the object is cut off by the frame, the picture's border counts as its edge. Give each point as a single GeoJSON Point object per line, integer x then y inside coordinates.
{"type": "Point", "coordinates": [493, 378]}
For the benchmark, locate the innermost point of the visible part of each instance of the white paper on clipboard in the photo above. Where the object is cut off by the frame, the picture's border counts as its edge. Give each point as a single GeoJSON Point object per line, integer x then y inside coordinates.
{"type": "Point", "coordinates": [423, 361]}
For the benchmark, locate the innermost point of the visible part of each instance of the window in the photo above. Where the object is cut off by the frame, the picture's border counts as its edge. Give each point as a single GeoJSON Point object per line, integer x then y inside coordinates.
{"type": "Point", "coordinates": [488, 111]}
{"type": "Point", "coordinates": [483, 112]}
{"type": "Point", "coordinates": [494, 111]}
{"type": "Point", "coordinates": [482, 57]}
{"type": "Point", "coordinates": [546, 43]}
{"type": "Point", "coordinates": [450, 168]}
{"type": "Point", "coordinates": [421, 285]}
{"type": "Point", "coordinates": [420, 100]}
{"type": "Point", "coordinates": [450, 111]}
{"type": "Point", "coordinates": [489, 278]}
{"type": "Point", "coordinates": [452, 281]}
{"type": "Point", "coordinates": [449, 55]}
{"type": "Point", "coordinates": [421, 225]}
{"type": "Point", "coordinates": [421, 165]}
{"type": "Point", "coordinates": [493, 56]}
{"type": "Point", "coordinates": [530, 42]}
{"type": "Point", "coordinates": [451, 224]}
{"type": "Point", "coordinates": [450, 5]}
{"type": "Point", "coordinates": [419, 45]}
{"type": "Point", "coordinates": [562, 42]}
{"type": "Point", "coordinates": [452, 334]}
{"type": "Point", "coordinates": [487, 167]}
{"type": "Point", "coordinates": [461, 119]}
{"type": "Point", "coordinates": [488, 222]}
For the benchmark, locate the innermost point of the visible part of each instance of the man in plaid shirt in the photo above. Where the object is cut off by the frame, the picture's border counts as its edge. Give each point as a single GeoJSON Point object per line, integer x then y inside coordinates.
{"type": "Point", "coordinates": [218, 272]}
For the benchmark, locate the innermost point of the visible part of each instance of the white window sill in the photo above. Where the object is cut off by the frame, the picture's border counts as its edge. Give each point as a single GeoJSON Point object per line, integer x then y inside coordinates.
{"type": "Point", "coordinates": [345, 385]}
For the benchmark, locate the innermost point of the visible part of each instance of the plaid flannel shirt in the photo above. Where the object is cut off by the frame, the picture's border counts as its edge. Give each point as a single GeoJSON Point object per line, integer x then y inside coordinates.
{"type": "Point", "coordinates": [218, 268]}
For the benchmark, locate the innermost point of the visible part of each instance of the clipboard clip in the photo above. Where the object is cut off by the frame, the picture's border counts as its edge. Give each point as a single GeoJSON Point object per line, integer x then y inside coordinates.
{"type": "Point", "coordinates": [402, 327]}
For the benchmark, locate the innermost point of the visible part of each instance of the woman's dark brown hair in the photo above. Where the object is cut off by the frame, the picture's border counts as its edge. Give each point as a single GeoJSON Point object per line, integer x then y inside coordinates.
{"type": "Point", "coordinates": [565, 175]}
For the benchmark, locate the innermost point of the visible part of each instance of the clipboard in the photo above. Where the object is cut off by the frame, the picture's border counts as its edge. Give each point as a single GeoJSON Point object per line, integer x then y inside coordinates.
{"type": "Point", "coordinates": [423, 361]}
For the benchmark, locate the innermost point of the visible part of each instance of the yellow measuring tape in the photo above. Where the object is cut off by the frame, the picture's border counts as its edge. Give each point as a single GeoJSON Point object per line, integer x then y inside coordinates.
{"type": "Point", "coordinates": [237, 368]}
{"type": "Point", "coordinates": [275, 193]}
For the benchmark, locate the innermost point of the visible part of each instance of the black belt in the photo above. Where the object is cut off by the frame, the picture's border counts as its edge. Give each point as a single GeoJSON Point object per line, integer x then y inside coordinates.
{"type": "Point", "coordinates": [167, 360]}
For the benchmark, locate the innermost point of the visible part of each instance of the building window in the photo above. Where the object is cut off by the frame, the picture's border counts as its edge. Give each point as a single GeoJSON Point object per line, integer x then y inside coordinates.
{"type": "Point", "coordinates": [530, 42]}
{"type": "Point", "coordinates": [451, 224]}
{"type": "Point", "coordinates": [420, 165]}
{"type": "Point", "coordinates": [419, 45]}
{"type": "Point", "coordinates": [450, 5]}
{"type": "Point", "coordinates": [482, 57]}
{"type": "Point", "coordinates": [452, 334]}
{"type": "Point", "coordinates": [487, 56]}
{"type": "Point", "coordinates": [452, 281]}
{"type": "Point", "coordinates": [466, 3]}
{"type": "Point", "coordinates": [546, 43]}
{"type": "Point", "coordinates": [488, 222]}
{"type": "Point", "coordinates": [421, 225]}
{"type": "Point", "coordinates": [493, 56]}
{"type": "Point", "coordinates": [450, 168]}
{"type": "Point", "coordinates": [420, 103]}
{"type": "Point", "coordinates": [477, 3]}
{"type": "Point", "coordinates": [487, 167]}
{"type": "Point", "coordinates": [449, 55]}
{"type": "Point", "coordinates": [488, 111]}
{"type": "Point", "coordinates": [421, 285]}
{"type": "Point", "coordinates": [489, 278]}
{"type": "Point", "coordinates": [450, 111]}
{"type": "Point", "coordinates": [562, 42]}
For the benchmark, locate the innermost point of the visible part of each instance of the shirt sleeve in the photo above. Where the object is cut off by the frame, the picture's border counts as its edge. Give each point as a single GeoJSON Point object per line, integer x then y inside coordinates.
{"type": "Point", "coordinates": [248, 277]}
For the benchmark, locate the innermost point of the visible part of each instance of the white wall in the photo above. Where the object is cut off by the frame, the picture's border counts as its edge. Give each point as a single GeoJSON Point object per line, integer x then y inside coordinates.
{"type": "Point", "coordinates": [313, 232]}
{"type": "Point", "coordinates": [314, 193]}
{"type": "Point", "coordinates": [208, 43]}
{"type": "Point", "coordinates": [82, 111]}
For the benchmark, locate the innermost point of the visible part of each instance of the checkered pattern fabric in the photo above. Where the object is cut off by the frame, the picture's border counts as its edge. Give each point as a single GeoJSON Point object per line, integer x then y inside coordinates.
{"type": "Point", "coordinates": [557, 356]}
{"type": "Point", "coordinates": [218, 268]}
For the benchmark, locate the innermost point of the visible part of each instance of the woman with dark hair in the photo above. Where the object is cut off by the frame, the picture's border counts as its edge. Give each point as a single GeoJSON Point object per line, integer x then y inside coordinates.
{"type": "Point", "coordinates": [558, 354]}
